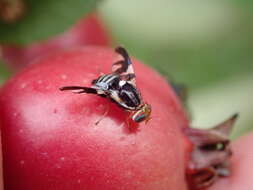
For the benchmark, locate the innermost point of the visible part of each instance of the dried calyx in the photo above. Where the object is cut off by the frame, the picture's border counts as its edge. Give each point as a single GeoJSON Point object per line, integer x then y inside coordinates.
{"type": "Point", "coordinates": [210, 157]}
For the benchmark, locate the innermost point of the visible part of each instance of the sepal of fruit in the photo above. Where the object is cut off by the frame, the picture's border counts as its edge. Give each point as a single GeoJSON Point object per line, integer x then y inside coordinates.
{"type": "Point", "coordinates": [210, 156]}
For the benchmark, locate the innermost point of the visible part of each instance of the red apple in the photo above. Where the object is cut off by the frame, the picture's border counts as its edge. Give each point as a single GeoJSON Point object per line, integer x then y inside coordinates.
{"type": "Point", "coordinates": [51, 140]}
{"type": "Point", "coordinates": [88, 31]}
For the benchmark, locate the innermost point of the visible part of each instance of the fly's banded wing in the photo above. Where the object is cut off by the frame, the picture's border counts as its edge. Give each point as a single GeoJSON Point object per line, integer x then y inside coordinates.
{"type": "Point", "coordinates": [79, 89]}
{"type": "Point", "coordinates": [123, 66]}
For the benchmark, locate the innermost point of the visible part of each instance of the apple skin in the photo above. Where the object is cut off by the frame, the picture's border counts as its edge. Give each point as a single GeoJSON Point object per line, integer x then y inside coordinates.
{"type": "Point", "coordinates": [88, 31]}
{"type": "Point", "coordinates": [50, 139]}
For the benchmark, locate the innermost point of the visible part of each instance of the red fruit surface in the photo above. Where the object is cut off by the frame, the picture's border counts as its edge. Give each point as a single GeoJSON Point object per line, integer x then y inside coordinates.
{"type": "Point", "coordinates": [50, 139]}
{"type": "Point", "coordinates": [88, 31]}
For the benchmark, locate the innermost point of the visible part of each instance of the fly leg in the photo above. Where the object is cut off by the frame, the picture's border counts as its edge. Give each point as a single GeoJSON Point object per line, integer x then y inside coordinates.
{"type": "Point", "coordinates": [103, 116]}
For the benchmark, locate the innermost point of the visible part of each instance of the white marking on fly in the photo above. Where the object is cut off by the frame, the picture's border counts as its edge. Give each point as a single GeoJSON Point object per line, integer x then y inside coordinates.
{"type": "Point", "coordinates": [101, 85]}
{"type": "Point", "coordinates": [122, 83]}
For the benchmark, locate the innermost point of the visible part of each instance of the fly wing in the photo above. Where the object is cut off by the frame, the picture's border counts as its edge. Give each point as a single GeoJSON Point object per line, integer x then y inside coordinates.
{"type": "Point", "coordinates": [123, 66]}
{"type": "Point", "coordinates": [79, 89]}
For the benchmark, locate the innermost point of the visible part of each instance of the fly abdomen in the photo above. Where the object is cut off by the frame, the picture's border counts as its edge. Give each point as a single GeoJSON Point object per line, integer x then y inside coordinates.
{"type": "Point", "coordinates": [130, 96]}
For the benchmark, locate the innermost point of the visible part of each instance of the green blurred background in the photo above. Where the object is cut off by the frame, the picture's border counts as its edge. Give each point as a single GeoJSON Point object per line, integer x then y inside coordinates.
{"type": "Point", "coordinates": [206, 45]}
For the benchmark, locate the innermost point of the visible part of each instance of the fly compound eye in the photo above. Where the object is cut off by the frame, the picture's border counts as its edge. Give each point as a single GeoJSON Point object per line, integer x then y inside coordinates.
{"type": "Point", "coordinates": [142, 114]}
{"type": "Point", "coordinates": [139, 117]}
